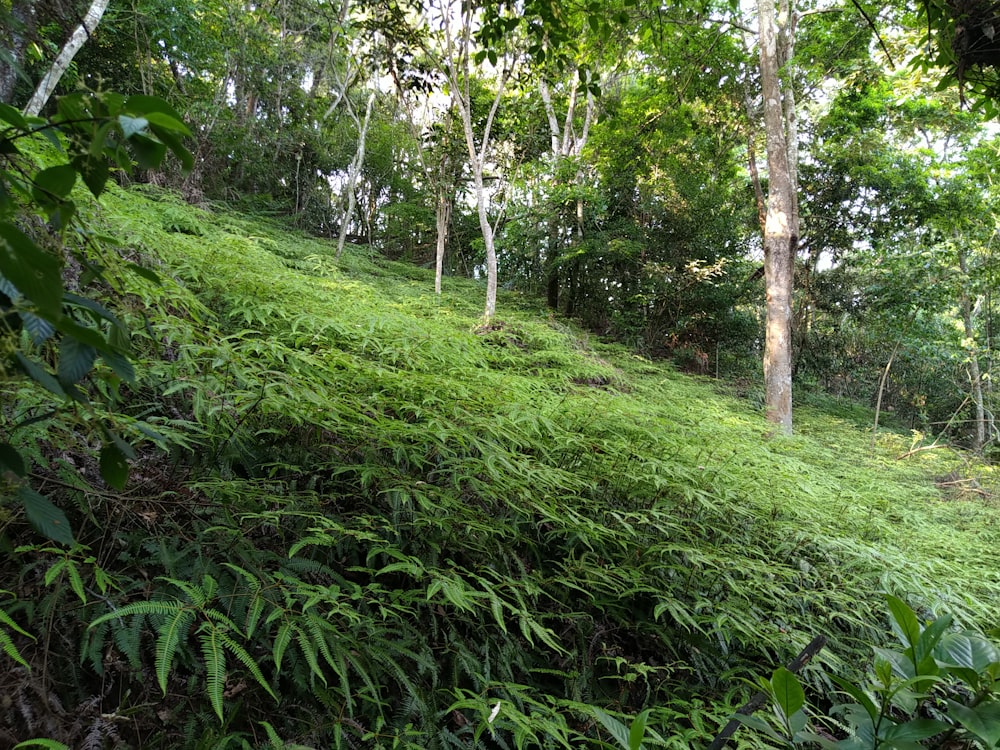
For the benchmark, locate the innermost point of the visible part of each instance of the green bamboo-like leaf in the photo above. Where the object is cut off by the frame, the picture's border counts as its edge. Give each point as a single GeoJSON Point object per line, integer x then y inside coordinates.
{"type": "Point", "coordinates": [47, 519]}
{"type": "Point", "coordinates": [43, 743]}
{"type": "Point", "coordinates": [214, 654]}
{"type": "Point", "coordinates": [171, 633]}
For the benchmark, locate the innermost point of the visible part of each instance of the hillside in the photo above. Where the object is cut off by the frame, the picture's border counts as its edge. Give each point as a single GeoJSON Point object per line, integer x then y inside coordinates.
{"type": "Point", "coordinates": [358, 518]}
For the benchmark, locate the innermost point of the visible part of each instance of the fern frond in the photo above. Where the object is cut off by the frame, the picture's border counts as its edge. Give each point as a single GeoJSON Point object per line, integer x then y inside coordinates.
{"type": "Point", "coordinates": [306, 646]}
{"type": "Point", "coordinates": [11, 650]}
{"type": "Point", "coordinates": [170, 635]}
{"type": "Point", "coordinates": [144, 609]}
{"type": "Point", "coordinates": [281, 641]}
{"type": "Point", "coordinates": [215, 665]}
{"type": "Point", "coordinates": [244, 658]}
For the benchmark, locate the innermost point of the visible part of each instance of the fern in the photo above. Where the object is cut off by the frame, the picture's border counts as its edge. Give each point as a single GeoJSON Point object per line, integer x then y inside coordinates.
{"type": "Point", "coordinates": [7, 643]}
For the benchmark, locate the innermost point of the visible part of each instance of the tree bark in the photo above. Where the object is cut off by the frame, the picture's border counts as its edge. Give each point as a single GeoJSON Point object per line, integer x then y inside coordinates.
{"type": "Point", "coordinates": [779, 233]}
{"type": "Point", "coordinates": [65, 57]}
{"type": "Point", "coordinates": [975, 375]}
{"type": "Point", "coordinates": [19, 25]}
{"type": "Point", "coordinates": [353, 171]}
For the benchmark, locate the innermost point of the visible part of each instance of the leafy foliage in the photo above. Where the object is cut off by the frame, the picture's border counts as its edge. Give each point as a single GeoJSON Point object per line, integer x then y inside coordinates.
{"type": "Point", "coordinates": [377, 520]}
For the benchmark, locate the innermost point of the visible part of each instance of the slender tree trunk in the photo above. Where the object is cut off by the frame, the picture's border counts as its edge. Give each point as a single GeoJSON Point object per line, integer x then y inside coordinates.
{"type": "Point", "coordinates": [19, 25]}
{"type": "Point", "coordinates": [353, 171]}
{"type": "Point", "coordinates": [779, 236]}
{"type": "Point", "coordinates": [975, 375]}
{"type": "Point", "coordinates": [65, 57]}
{"type": "Point", "coordinates": [443, 219]}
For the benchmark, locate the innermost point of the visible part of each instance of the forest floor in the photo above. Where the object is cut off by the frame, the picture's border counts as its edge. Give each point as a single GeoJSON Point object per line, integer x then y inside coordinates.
{"type": "Point", "coordinates": [518, 512]}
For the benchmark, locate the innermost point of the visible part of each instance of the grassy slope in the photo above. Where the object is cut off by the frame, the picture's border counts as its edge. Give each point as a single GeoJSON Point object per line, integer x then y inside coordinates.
{"type": "Point", "coordinates": [612, 521]}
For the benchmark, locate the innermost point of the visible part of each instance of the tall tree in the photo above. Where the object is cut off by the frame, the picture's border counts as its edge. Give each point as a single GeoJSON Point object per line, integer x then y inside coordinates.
{"type": "Point", "coordinates": [458, 23]}
{"type": "Point", "coordinates": [61, 64]}
{"type": "Point", "coordinates": [780, 230]}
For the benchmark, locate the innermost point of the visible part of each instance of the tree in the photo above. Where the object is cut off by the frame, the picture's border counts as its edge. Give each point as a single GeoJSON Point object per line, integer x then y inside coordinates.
{"type": "Point", "coordinates": [59, 66]}
{"type": "Point", "coordinates": [456, 58]}
{"type": "Point", "coordinates": [780, 228]}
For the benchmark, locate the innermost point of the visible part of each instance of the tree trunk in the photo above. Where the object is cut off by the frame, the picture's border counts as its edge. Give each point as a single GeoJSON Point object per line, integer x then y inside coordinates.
{"type": "Point", "coordinates": [65, 57]}
{"type": "Point", "coordinates": [19, 25]}
{"type": "Point", "coordinates": [779, 234]}
{"type": "Point", "coordinates": [975, 375]}
{"type": "Point", "coordinates": [443, 219]}
{"type": "Point", "coordinates": [353, 171]}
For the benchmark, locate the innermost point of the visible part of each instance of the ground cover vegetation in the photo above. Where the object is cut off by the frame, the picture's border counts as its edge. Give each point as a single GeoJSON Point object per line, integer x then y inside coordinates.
{"type": "Point", "coordinates": [270, 481]}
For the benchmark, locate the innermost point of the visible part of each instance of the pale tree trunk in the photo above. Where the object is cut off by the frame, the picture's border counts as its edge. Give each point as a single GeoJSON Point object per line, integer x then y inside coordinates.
{"type": "Point", "coordinates": [354, 171]}
{"type": "Point", "coordinates": [459, 77]}
{"type": "Point", "coordinates": [975, 375]}
{"type": "Point", "coordinates": [779, 232]}
{"type": "Point", "coordinates": [65, 57]}
{"type": "Point", "coordinates": [565, 143]}
{"type": "Point", "coordinates": [443, 219]}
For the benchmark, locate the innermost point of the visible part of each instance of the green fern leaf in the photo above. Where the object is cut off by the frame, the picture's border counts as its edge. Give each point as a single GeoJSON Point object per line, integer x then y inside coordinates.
{"type": "Point", "coordinates": [138, 608]}
{"type": "Point", "coordinates": [281, 641]}
{"type": "Point", "coordinates": [10, 649]}
{"type": "Point", "coordinates": [309, 652]}
{"type": "Point", "coordinates": [215, 665]}
{"type": "Point", "coordinates": [171, 633]}
{"type": "Point", "coordinates": [244, 658]}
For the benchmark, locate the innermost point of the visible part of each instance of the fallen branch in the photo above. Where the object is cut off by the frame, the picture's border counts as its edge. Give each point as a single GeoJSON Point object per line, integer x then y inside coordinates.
{"type": "Point", "coordinates": [760, 697]}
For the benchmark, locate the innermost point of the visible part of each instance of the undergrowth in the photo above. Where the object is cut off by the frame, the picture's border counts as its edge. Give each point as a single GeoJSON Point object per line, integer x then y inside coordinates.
{"type": "Point", "coordinates": [374, 522]}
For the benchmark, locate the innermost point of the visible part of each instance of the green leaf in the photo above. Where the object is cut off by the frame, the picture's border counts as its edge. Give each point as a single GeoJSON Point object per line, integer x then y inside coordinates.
{"type": "Point", "coordinates": [76, 359]}
{"type": "Point", "coordinates": [47, 519]}
{"type": "Point", "coordinates": [114, 466]}
{"type": "Point", "coordinates": [119, 365]}
{"type": "Point", "coordinates": [145, 273]}
{"type": "Point", "coordinates": [787, 691]}
{"type": "Point", "coordinates": [171, 633]}
{"type": "Point", "coordinates": [637, 732]}
{"type": "Point", "coordinates": [132, 125]}
{"type": "Point", "coordinates": [983, 721]}
{"type": "Point", "coordinates": [905, 623]}
{"type": "Point", "coordinates": [39, 374]}
{"type": "Point", "coordinates": [615, 728]}
{"type": "Point", "coordinates": [36, 273]}
{"type": "Point", "coordinates": [94, 171]}
{"type": "Point", "coordinates": [859, 695]}
{"type": "Point", "coordinates": [148, 153]}
{"type": "Point", "coordinates": [47, 744]}
{"type": "Point", "coordinates": [55, 181]}
{"type": "Point", "coordinates": [968, 650]}
{"type": "Point", "coordinates": [215, 666]}
{"type": "Point", "coordinates": [39, 329]}
{"type": "Point", "coordinates": [12, 116]}
{"type": "Point", "coordinates": [10, 460]}
{"type": "Point", "coordinates": [929, 638]}
{"type": "Point", "coordinates": [915, 730]}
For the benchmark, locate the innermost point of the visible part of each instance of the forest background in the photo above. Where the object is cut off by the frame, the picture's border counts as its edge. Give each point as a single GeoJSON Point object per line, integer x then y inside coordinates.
{"type": "Point", "coordinates": [273, 471]}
